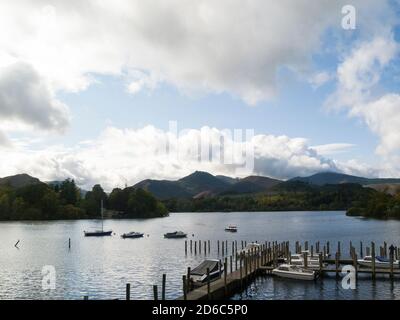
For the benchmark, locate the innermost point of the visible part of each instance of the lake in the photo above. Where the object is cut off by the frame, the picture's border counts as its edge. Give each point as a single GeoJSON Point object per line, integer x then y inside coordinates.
{"type": "Point", "coordinates": [100, 267]}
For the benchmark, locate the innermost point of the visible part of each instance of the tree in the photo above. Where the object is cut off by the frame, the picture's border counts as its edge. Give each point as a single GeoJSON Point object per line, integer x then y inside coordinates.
{"type": "Point", "coordinates": [69, 193]}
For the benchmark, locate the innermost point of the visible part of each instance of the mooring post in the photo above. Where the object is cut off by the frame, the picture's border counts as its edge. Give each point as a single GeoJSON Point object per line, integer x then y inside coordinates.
{"type": "Point", "coordinates": [128, 291]}
{"type": "Point", "coordinates": [391, 255]}
{"type": "Point", "coordinates": [385, 249]}
{"type": "Point", "coordinates": [218, 246]}
{"type": "Point", "coordinates": [305, 258]}
{"type": "Point", "coordinates": [328, 250]}
{"type": "Point", "coordinates": [231, 263]}
{"type": "Point", "coordinates": [338, 249]}
{"type": "Point", "coordinates": [337, 263]}
{"type": "Point", "coordinates": [209, 246]}
{"type": "Point", "coordinates": [223, 248]}
{"type": "Point", "coordinates": [195, 247]}
{"type": "Point", "coordinates": [189, 281]}
{"type": "Point", "coordinates": [185, 246]}
{"type": "Point", "coordinates": [320, 264]}
{"type": "Point", "coordinates": [351, 249]}
{"type": "Point", "coordinates": [324, 251]}
{"type": "Point", "coordinates": [164, 280]}
{"type": "Point", "coordinates": [355, 265]}
{"type": "Point", "coordinates": [205, 248]}
{"type": "Point", "coordinates": [155, 292]}
{"type": "Point", "coordinates": [361, 250]}
{"type": "Point", "coordinates": [241, 271]}
{"type": "Point", "coordinates": [225, 274]}
{"type": "Point", "coordinates": [208, 283]}
{"type": "Point", "coordinates": [373, 259]}
{"type": "Point", "coordinates": [306, 245]}
{"type": "Point", "coordinates": [199, 246]}
{"type": "Point", "coordinates": [184, 282]}
{"type": "Point", "coordinates": [69, 243]}
{"type": "Point", "coordinates": [191, 246]}
{"type": "Point", "coordinates": [312, 251]}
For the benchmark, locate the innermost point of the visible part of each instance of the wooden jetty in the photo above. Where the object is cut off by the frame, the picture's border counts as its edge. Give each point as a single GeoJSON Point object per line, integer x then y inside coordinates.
{"type": "Point", "coordinates": [244, 267]}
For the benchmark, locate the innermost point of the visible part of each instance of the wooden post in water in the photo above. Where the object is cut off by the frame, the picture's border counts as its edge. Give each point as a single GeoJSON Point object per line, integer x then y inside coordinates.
{"type": "Point", "coordinates": [191, 246]}
{"type": "Point", "coordinates": [305, 258]}
{"type": "Point", "coordinates": [320, 264]}
{"type": "Point", "coordinates": [337, 263]}
{"type": "Point", "coordinates": [385, 249]}
{"type": "Point", "coordinates": [351, 249]}
{"type": "Point", "coordinates": [205, 248]}
{"type": "Point", "coordinates": [189, 280]}
{"type": "Point", "coordinates": [373, 259]}
{"type": "Point", "coordinates": [361, 250]}
{"type": "Point", "coordinates": [164, 280]}
{"type": "Point", "coordinates": [355, 265]}
{"type": "Point", "coordinates": [328, 250]}
{"type": "Point", "coordinates": [231, 264]}
{"type": "Point", "coordinates": [155, 293]}
{"type": "Point", "coordinates": [324, 251]}
{"type": "Point", "coordinates": [185, 246]}
{"type": "Point", "coordinates": [306, 245]}
{"type": "Point", "coordinates": [391, 256]}
{"type": "Point", "coordinates": [241, 270]}
{"type": "Point", "coordinates": [128, 291]}
{"type": "Point", "coordinates": [223, 248]}
{"type": "Point", "coordinates": [195, 247]}
{"type": "Point", "coordinates": [209, 246]}
{"type": "Point", "coordinates": [184, 283]}
{"type": "Point", "coordinates": [69, 243]}
{"type": "Point", "coordinates": [338, 248]}
{"type": "Point", "coordinates": [317, 246]}
{"type": "Point", "coordinates": [208, 283]}
{"type": "Point", "coordinates": [218, 246]}
{"type": "Point", "coordinates": [312, 251]}
{"type": "Point", "coordinates": [200, 247]}
{"type": "Point", "coordinates": [225, 274]}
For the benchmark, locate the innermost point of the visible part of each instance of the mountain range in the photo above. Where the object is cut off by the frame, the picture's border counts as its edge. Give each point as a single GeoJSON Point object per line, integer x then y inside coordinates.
{"type": "Point", "coordinates": [203, 184]}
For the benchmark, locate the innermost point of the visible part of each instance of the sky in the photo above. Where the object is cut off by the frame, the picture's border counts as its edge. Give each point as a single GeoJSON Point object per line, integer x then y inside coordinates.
{"type": "Point", "coordinates": [91, 90]}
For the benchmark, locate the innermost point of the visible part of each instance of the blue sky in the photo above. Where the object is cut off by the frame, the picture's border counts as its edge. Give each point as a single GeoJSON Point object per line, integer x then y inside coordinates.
{"type": "Point", "coordinates": [77, 96]}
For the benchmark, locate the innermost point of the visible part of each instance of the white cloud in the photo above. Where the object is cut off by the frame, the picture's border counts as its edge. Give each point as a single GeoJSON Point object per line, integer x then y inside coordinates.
{"type": "Point", "coordinates": [332, 148]}
{"type": "Point", "coordinates": [358, 91]}
{"type": "Point", "coordinates": [319, 79]}
{"type": "Point", "coordinates": [25, 98]}
{"type": "Point", "coordinates": [218, 46]}
{"type": "Point", "coordinates": [120, 156]}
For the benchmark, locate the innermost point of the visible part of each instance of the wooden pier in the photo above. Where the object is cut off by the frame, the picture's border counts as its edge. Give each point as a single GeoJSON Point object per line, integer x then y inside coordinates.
{"type": "Point", "coordinates": [243, 267]}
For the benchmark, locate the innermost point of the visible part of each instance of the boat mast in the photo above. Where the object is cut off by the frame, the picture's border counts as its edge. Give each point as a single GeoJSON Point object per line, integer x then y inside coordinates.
{"type": "Point", "coordinates": [102, 222]}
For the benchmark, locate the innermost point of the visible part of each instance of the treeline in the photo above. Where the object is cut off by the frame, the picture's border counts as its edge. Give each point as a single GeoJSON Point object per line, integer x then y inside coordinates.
{"type": "Point", "coordinates": [297, 197]}
{"type": "Point", "coordinates": [64, 201]}
{"type": "Point", "coordinates": [381, 205]}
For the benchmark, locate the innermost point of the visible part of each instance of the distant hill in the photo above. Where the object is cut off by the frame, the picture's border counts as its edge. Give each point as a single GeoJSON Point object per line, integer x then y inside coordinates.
{"type": "Point", "coordinates": [164, 189]}
{"type": "Point", "coordinates": [19, 181]}
{"type": "Point", "coordinates": [252, 184]}
{"type": "Point", "coordinates": [227, 179]}
{"type": "Point", "coordinates": [338, 178]}
{"type": "Point", "coordinates": [200, 181]}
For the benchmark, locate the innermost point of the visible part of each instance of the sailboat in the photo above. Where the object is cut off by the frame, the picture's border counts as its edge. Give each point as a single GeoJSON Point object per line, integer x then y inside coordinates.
{"type": "Point", "coordinates": [99, 233]}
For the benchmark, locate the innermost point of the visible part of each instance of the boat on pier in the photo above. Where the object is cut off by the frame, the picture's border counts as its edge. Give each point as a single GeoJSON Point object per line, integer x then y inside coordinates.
{"type": "Point", "coordinates": [199, 275]}
{"type": "Point", "coordinates": [380, 262]}
{"type": "Point", "coordinates": [294, 272]}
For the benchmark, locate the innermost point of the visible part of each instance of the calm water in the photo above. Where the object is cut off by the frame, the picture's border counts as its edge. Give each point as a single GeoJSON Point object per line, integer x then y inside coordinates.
{"type": "Point", "coordinates": [100, 267]}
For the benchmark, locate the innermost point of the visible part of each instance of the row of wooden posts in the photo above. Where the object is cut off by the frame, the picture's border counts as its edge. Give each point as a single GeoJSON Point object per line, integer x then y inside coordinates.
{"type": "Point", "coordinates": [248, 264]}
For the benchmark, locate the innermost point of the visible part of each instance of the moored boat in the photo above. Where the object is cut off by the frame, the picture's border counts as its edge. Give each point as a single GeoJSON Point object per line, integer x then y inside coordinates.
{"type": "Point", "coordinates": [132, 235]}
{"type": "Point", "coordinates": [99, 233]}
{"type": "Point", "coordinates": [380, 262]}
{"type": "Point", "coordinates": [175, 235]}
{"type": "Point", "coordinates": [198, 275]}
{"type": "Point", "coordinates": [231, 228]}
{"type": "Point", "coordinates": [294, 272]}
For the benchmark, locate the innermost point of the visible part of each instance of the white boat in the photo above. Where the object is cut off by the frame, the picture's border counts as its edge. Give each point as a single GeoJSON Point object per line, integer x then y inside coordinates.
{"type": "Point", "coordinates": [380, 262]}
{"type": "Point", "coordinates": [251, 246]}
{"type": "Point", "coordinates": [294, 272]}
{"type": "Point", "coordinates": [175, 235]}
{"type": "Point", "coordinates": [199, 274]}
{"type": "Point", "coordinates": [231, 228]}
{"type": "Point", "coordinates": [298, 260]}
{"type": "Point", "coordinates": [132, 235]}
{"type": "Point", "coordinates": [99, 233]}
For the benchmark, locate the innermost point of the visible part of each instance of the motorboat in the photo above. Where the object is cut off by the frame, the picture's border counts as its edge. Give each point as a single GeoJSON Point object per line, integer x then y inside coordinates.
{"type": "Point", "coordinates": [231, 228]}
{"type": "Point", "coordinates": [380, 262]}
{"type": "Point", "coordinates": [175, 235]}
{"type": "Point", "coordinates": [198, 275]}
{"type": "Point", "coordinates": [99, 233]}
{"type": "Point", "coordinates": [132, 235]}
{"type": "Point", "coordinates": [298, 260]}
{"type": "Point", "coordinates": [294, 272]}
